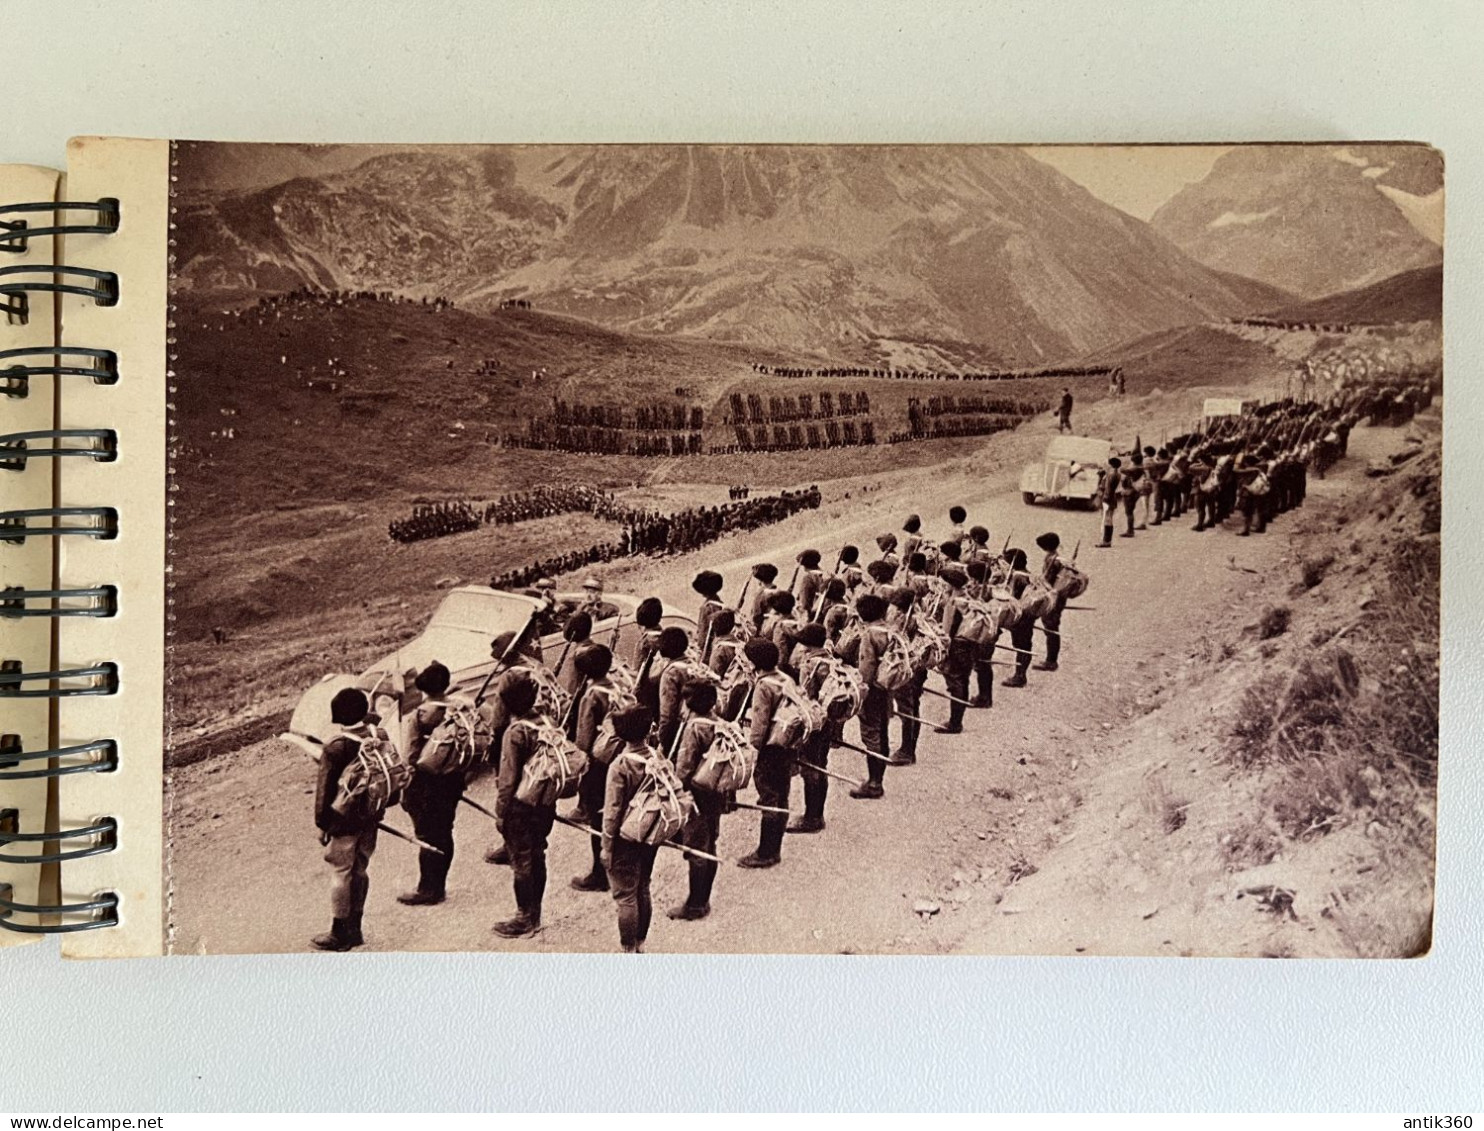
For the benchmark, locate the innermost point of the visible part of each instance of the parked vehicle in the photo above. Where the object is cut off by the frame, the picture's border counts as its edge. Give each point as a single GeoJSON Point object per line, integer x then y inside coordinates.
{"type": "Point", "coordinates": [1069, 472]}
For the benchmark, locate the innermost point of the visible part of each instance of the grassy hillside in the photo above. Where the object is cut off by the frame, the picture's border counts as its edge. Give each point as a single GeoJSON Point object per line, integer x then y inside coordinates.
{"type": "Point", "coordinates": [1190, 355]}
{"type": "Point", "coordinates": [1411, 296]}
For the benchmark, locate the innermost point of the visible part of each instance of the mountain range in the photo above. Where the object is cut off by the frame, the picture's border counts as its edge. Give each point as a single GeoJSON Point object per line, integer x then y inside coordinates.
{"type": "Point", "coordinates": [1312, 219]}
{"type": "Point", "coordinates": [907, 255]}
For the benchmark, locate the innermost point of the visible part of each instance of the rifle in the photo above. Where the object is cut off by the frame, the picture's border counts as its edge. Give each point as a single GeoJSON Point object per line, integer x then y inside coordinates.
{"type": "Point", "coordinates": [828, 773]}
{"type": "Point", "coordinates": [400, 835]}
{"type": "Point", "coordinates": [860, 750]}
{"type": "Point", "coordinates": [945, 695]}
{"type": "Point", "coordinates": [1076, 548]}
{"type": "Point", "coordinates": [571, 824]}
{"type": "Point", "coordinates": [792, 581]}
{"type": "Point", "coordinates": [570, 722]}
{"type": "Point", "coordinates": [742, 597]}
{"type": "Point", "coordinates": [562, 659]}
{"type": "Point", "coordinates": [760, 808]}
{"type": "Point", "coordinates": [505, 655]}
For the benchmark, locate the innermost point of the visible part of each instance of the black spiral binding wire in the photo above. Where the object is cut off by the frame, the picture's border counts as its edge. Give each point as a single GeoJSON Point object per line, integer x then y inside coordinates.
{"type": "Point", "coordinates": [15, 379]}
{"type": "Point", "coordinates": [17, 367]}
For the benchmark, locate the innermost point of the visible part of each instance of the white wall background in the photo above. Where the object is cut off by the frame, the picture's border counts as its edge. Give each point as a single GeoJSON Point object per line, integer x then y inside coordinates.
{"type": "Point", "coordinates": [490, 1031]}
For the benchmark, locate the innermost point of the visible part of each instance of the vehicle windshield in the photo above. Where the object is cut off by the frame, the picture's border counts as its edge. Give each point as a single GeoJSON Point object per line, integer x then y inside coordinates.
{"type": "Point", "coordinates": [1078, 449]}
{"type": "Point", "coordinates": [488, 614]}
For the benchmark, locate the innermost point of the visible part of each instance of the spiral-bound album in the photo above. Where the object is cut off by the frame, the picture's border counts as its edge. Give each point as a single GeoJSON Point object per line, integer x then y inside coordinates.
{"type": "Point", "coordinates": [970, 549]}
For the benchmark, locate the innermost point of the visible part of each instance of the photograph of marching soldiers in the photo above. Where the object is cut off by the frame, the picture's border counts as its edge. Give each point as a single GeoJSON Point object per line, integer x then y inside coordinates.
{"type": "Point", "coordinates": [825, 549]}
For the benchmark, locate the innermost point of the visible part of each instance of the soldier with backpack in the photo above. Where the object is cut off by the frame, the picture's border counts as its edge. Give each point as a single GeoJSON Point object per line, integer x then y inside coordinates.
{"type": "Point", "coordinates": [886, 542]}
{"type": "Point", "coordinates": [912, 529]}
{"type": "Point", "coordinates": [957, 516]}
{"type": "Point", "coordinates": [726, 642]}
{"type": "Point", "coordinates": [525, 827]}
{"type": "Point", "coordinates": [432, 796]}
{"type": "Point", "coordinates": [865, 652]}
{"type": "Point", "coordinates": [775, 736]}
{"type": "Point", "coordinates": [697, 735]}
{"type": "Point", "coordinates": [576, 633]}
{"type": "Point", "coordinates": [351, 792]}
{"type": "Point", "coordinates": [598, 701]}
{"type": "Point", "coordinates": [815, 666]}
{"type": "Point", "coordinates": [849, 568]}
{"type": "Point", "coordinates": [1057, 574]}
{"type": "Point", "coordinates": [708, 584]}
{"type": "Point", "coordinates": [648, 615]}
{"type": "Point", "coordinates": [978, 548]}
{"type": "Point", "coordinates": [979, 589]}
{"type": "Point", "coordinates": [901, 618]}
{"type": "Point", "coordinates": [959, 664]}
{"type": "Point", "coordinates": [764, 573]}
{"type": "Point", "coordinates": [643, 805]}
{"type": "Point", "coordinates": [1022, 629]}
{"type": "Point", "coordinates": [810, 583]}
{"type": "Point", "coordinates": [669, 674]}
{"type": "Point", "coordinates": [834, 613]}
{"type": "Point", "coordinates": [881, 572]}
{"type": "Point", "coordinates": [517, 657]}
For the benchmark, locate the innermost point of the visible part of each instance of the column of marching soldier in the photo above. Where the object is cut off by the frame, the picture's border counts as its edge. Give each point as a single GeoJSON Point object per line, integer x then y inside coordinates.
{"type": "Point", "coordinates": [771, 679]}
{"type": "Point", "coordinates": [660, 742]}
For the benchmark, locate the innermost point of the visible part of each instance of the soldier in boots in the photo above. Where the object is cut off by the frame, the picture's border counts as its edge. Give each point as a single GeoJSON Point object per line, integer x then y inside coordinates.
{"type": "Point", "coordinates": [515, 656]}
{"type": "Point", "coordinates": [908, 701]}
{"type": "Point", "coordinates": [1022, 631]}
{"type": "Point", "coordinates": [961, 651]}
{"type": "Point", "coordinates": [525, 827]}
{"type": "Point", "coordinates": [431, 800]}
{"type": "Point", "coordinates": [979, 589]}
{"type": "Point", "coordinates": [1108, 499]}
{"type": "Point", "coordinates": [696, 735]}
{"type": "Point", "coordinates": [875, 715]}
{"type": "Point", "coordinates": [592, 707]}
{"type": "Point", "coordinates": [628, 863]}
{"type": "Point", "coordinates": [349, 838]}
{"type": "Point", "coordinates": [774, 768]}
{"type": "Point", "coordinates": [1051, 567]}
{"type": "Point", "coordinates": [813, 665]}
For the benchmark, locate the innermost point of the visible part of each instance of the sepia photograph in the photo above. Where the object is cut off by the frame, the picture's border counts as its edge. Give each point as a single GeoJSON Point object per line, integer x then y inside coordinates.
{"type": "Point", "coordinates": [805, 549]}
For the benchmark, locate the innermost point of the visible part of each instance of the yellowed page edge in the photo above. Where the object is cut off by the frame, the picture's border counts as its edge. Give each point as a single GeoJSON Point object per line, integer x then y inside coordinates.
{"type": "Point", "coordinates": [137, 173]}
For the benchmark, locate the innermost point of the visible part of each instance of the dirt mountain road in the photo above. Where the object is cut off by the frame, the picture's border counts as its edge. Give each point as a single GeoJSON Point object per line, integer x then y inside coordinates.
{"type": "Point", "coordinates": [925, 870]}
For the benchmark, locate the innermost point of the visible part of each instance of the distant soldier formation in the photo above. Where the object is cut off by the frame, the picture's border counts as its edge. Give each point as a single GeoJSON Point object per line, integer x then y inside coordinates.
{"type": "Point", "coordinates": [434, 520]}
{"type": "Point", "coordinates": [655, 534]}
{"type": "Point", "coordinates": [1107, 373]}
